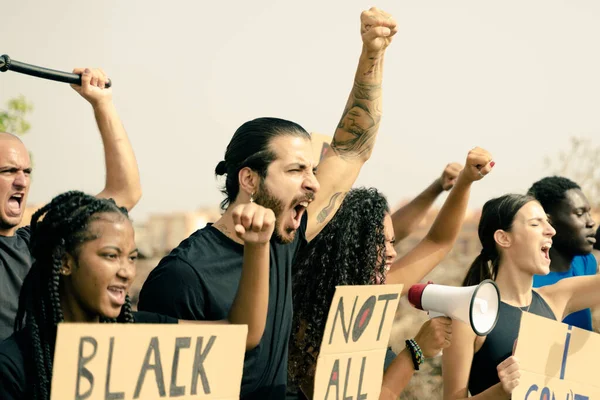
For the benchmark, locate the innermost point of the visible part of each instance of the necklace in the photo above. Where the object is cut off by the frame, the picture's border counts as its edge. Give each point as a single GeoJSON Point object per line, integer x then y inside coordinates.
{"type": "Point", "coordinates": [529, 306]}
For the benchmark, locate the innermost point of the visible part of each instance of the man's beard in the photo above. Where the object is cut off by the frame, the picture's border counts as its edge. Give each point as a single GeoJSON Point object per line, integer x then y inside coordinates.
{"type": "Point", "coordinates": [265, 198]}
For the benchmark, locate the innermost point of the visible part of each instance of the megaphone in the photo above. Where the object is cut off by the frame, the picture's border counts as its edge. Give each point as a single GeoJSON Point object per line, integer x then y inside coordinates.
{"type": "Point", "coordinates": [476, 305]}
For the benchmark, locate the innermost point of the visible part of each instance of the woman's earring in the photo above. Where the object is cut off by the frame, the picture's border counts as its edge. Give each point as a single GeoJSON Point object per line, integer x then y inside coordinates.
{"type": "Point", "coordinates": [252, 198]}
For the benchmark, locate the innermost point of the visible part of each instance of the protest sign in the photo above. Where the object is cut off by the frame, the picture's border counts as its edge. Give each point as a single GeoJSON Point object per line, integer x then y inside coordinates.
{"type": "Point", "coordinates": [352, 354]}
{"type": "Point", "coordinates": [558, 361]}
{"type": "Point", "coordinates": [148, 361]}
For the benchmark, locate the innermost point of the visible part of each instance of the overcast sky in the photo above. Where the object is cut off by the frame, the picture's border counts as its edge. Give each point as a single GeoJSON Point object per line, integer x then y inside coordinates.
{"type": "Point", "coordinates": [515, 77]}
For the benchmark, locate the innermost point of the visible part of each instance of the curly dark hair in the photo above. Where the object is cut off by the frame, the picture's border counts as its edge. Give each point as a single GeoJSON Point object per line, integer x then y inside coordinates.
{"type": "Point", "coordinates": [350, 250]}
{"type": "Point", "coordinates": [550, 191]}
{"type": "Point", "coordinates": [63, 229]}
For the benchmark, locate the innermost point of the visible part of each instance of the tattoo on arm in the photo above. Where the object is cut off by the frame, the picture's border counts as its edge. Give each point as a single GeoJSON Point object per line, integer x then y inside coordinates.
{"type": "Point", "coordinates": [366, 91]}
{"type": "Point", "coordinates": [356, 130]}
{"type": "Point", "coordinates": [322, 216]}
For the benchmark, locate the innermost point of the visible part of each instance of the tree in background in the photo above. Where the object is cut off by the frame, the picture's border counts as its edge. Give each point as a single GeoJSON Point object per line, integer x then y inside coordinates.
{"type": "Point", "coordinates": [12, 119]}
{"type": "Point", "coordinates": [579, 162]}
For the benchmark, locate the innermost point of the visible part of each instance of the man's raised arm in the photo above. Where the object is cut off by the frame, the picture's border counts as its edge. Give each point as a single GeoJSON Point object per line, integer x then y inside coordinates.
{"type": "Point", "coordinates": [355, 135]}
{"type": "Point", "coordinates": [122, 175]}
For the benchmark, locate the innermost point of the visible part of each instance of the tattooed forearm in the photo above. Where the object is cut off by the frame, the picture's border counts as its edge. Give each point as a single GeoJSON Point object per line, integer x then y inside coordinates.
{"type": "Point", "coordinates": [355, 134]}
{"type": "Point", "coordinates": [356, 130]}
{"type": "Point", "coordinates": [371, 68]}
{"type": "Point", "coordinates": [356, 146]}
{"type": "Point", "coordinates": [328, 209]}
{"type": "Point", "coordinates": [366, 91]}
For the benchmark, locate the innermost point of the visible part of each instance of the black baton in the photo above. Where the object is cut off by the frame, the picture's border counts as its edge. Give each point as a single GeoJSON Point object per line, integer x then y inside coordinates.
{"type": "Point", "coordinates": [7, 64]}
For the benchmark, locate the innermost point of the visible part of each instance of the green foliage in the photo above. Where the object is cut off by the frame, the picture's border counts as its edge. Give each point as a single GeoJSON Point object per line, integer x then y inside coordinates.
{"type": "Point", "coordinates": [12, 120]}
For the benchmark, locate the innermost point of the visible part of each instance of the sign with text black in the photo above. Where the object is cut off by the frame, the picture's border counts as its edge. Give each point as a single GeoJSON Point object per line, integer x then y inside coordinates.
{"type": "Point", "coordinates": [148, 361]}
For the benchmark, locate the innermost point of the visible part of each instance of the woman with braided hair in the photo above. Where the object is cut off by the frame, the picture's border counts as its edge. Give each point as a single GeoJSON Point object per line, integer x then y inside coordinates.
{"type": "Point", "coordinates": [84, 263]}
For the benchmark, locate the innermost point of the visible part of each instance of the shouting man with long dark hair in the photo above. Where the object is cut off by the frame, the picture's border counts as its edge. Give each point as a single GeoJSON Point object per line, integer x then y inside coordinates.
{"type": "Point", "coordinates": [269, 161]}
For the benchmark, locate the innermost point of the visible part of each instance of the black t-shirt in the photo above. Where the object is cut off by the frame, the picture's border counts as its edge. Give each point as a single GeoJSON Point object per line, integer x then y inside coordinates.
{"type": "Point", "coordinates": [15, 261]}
{"type": "Point", "coordinates": [16, 373]}
{"type": "Point", "coordinates": [199, 280]}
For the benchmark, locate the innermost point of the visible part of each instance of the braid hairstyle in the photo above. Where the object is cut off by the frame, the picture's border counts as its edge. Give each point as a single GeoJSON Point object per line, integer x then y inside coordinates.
{"type": "Point", "coordinates": [350, 250]}
{"type": "Point", "coordinates": [63, 229]}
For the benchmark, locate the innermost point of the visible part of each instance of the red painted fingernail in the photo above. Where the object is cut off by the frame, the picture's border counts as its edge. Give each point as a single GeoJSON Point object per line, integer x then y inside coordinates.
{"type": "Point", "coordinates": [492, 164]}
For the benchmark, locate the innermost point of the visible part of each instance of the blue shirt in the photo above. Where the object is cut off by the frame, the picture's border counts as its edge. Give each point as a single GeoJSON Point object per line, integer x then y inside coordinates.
{"type": "Point", "coordinates": [580, 266]}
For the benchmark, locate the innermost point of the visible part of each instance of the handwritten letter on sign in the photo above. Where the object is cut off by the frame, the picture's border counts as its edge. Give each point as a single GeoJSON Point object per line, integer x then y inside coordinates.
{"type": "Point", "coordinates": [352, 355]}
{"type": "Point", "coordinates": [557, 361]}
{"type": "Point", "coordinates": [148, 361]}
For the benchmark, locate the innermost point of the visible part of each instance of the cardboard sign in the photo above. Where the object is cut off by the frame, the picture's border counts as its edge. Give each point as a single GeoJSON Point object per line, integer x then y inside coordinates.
{"type": "Point", "coordinates": [320, 144]}
{"type": "Point", "coordinates": [351, 358]}
{"type": "Point", "coordinates": [558, 361]}
{"type": "Point", "coordinates": [148, 361]}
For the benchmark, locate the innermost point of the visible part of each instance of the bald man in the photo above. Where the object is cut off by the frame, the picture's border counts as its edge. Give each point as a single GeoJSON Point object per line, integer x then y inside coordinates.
{"type": "Point", "coordinates": [122, 184]}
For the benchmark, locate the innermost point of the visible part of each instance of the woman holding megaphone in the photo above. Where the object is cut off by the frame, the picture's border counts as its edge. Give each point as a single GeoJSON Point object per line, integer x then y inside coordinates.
{"type": "Point", "coordinates": [85, 255]}
{"type": "Point", "coordinates": [357, 248]}
{"type": "Point", "coordinates": [516, 237]}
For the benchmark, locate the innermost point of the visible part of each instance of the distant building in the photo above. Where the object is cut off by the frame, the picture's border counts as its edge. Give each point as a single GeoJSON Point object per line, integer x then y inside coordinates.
{"type": "Point", "coordinates": [163, 232]}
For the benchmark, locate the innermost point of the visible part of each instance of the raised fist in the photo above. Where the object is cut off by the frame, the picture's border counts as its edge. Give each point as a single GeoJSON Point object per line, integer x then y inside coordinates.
{"type": "Point", "coordinates": [254, 224]}
{"type": "Point", "coordinates": [449, 175]}
{"type": "Point", "coordinates": [479, 164]}
{"type": "Point", "coordinates": [377, 29]}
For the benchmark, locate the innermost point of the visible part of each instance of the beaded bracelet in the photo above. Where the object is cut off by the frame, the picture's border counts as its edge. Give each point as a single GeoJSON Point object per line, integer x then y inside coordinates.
{"type": "Point", "coordinates": [415, 351]}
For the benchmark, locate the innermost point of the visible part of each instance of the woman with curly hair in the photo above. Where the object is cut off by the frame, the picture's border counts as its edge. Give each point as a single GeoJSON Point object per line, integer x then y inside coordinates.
{"type": "Point", "coordinates": [85, 261]}
{"type": "Point", "coordinates": [357, 248]}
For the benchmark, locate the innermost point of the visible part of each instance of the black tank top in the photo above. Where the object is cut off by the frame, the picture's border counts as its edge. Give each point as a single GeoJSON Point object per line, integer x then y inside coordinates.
{"type": "Point", "coordinates": [499, 343]}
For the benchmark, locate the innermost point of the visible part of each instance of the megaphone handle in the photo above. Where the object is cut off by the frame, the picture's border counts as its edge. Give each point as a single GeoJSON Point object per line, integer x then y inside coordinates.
{"type": "Point", "coordinates": [435, 314]}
